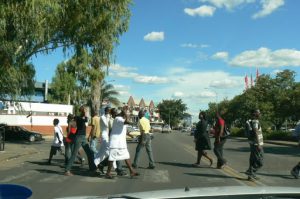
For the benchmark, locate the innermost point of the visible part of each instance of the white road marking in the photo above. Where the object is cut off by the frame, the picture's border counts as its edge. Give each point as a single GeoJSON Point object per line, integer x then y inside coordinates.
{"type": "Point", "coordinates": [97, 179]}
{"type": "Point", "coordinates": [160, 176]}
{"type": "Point", "coordinates": [54, 178]}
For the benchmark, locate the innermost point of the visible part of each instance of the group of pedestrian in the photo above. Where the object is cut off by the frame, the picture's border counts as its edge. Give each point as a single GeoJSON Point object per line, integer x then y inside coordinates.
{"type": "Point", "coordinates": [110, 131]}
{"type": "Point", "coordinates": [255, 136]}
{"type": "Point", "coordinates": [202, 140]}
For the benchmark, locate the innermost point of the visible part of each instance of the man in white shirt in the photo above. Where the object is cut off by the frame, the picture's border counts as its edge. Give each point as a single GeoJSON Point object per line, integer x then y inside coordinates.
{"type": "Point", "coordinates": [57, 140]}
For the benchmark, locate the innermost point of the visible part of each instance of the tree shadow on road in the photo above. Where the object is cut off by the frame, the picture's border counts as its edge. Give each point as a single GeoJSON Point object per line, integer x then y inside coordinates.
{"type": "Point", "coordinates": [45, 162]}
{"type": "Point", "coordinates": [48, 171]}
{"type": "Point", "coordinates": [178, 164]}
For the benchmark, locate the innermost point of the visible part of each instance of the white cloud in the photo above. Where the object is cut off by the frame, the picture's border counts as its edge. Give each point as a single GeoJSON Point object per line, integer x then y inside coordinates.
{"type": "Point", "coordinates": [195, 83]}
{"type": "Point", "coordinates": [202, 11]}
{"type": "Point", "coordinates": [127, 72]}
{"type": "Point", "coordinates": [121, 87]}
{"type": "Point", "coordinates": [264, 57]}
{"type": "Point", "coordinates": [151, 79]}
{"type": "Point", "coordinates": [178, 70]}
{"type": "Point", "coordinates": [154, 36]}
{"type": "Point", "coordinates": [275, 72]}
{"type": "Point", "coordinates": [190, 45]}
{"type": "Point", "coordinates": [223, 84]}
{"type": "Point", "coordinates": [221, 55]}
{"type": "Point", "coordinates": [119, 68]}
{"type": "Point", "coordinates": [193, 88]}
{"type": "Point", "coordinates": [268, 7]}
{"type": "Point", "coordinates": [228, 4]}
{"type": "Point", "coordinates": [178, 94]}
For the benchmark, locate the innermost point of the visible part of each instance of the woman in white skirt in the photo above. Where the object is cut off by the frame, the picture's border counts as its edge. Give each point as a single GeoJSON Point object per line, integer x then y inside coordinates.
{"type": "Point", "coordinates": [118, 145]}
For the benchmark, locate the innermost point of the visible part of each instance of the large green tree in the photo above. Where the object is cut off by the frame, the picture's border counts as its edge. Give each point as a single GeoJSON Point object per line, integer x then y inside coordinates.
{"type": "Point", "coordinates": [172, 111]}
{"type": "Point", "coordinates": [277, 97]}
{"type": "Point", "coordinates": [29, 27]}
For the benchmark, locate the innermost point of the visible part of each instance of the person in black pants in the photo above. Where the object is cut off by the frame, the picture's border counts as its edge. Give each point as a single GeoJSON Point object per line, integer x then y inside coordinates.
{"type": "Point", "coordinates": [295, 171]}
{"type": "Point", "coordinates": [220, 140]}
{"type": "Point", "coordinates": [80, 140]}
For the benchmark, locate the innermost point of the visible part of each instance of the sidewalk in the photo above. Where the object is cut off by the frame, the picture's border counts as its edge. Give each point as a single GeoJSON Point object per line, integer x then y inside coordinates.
{"type": "Point", "coordinates": [16, 150]}
{"type": "Point", "coordinates": [276, 142]}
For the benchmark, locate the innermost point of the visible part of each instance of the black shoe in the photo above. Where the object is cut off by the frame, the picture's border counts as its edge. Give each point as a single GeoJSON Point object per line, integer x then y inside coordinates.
{"type": "Point", "coordinates": [253, 178]}
{"type": "Point", "coordinates": [248, 173]}
{"type": "Point", "coordinates": [134, 166]}
{"type": "Point", "coordinates": [121, 173]}
{"type": "Point", "coordinates": [294, 173]}
{"type": "Point", "coordinates": [101, 167]}
{"type": "Point", "coordinates": [151, 167]}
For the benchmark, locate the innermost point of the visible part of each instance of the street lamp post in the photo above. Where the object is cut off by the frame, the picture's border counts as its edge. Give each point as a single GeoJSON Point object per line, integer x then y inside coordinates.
{"type": "Point", "coordinates": [169, 118]}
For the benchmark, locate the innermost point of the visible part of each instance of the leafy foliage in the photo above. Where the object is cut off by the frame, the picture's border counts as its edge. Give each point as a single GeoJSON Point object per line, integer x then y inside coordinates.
{"type": "Point", "coordinates": [30, 27]}
{"type": "Point", "coordinates": [109, 93]}
{"type": "Point", "coordinates": [277, 98]}
{"type": "Point", "coordinates": [172, 111]}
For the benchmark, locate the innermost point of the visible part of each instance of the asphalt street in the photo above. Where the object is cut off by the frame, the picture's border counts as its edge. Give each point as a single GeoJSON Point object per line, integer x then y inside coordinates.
{"type": "Point", "coordinates": [173, 153]}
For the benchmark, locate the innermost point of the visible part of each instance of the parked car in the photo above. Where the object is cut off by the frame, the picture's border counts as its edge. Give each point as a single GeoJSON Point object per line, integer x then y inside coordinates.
{"type": "Point", "coordinates": [17, 133]}
{"type": "Point", "coordinates": [166, 129]}
{"type": "Point", "coordinates": [134, 134]}
{"type": "Point", "coordinates": [156, 128]}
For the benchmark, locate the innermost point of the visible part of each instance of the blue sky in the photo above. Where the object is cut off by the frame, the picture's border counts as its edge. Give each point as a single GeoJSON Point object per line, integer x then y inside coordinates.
{"type": "Point", "coordinates": [198, 50]}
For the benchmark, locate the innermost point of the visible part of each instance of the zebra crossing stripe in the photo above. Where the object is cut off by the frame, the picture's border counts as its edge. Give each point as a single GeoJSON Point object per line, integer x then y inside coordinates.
{"type": "Point", "coordinates": [157, 176]}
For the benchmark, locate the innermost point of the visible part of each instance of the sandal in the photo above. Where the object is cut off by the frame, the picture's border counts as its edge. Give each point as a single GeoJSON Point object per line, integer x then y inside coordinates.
{"type": "Point", "coordinates": [108, 176]}
{"type": "Point", "coordinates": [134, 174]}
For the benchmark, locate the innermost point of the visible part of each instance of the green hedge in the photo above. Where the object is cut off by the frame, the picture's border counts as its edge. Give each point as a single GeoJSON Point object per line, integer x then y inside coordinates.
{"type": "Point", "coordinates": [270, 135]}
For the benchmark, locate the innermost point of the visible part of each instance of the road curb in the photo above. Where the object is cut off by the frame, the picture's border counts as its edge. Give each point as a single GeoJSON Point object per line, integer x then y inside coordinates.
{"type": "Point", "coordinates": [275, 142]}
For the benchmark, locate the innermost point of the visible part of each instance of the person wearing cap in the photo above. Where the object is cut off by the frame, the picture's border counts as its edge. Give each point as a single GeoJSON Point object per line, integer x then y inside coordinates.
{"type": "Point", "coordinates": [256, 146]}
{"type": "Point", "coordinates": [144, 140]}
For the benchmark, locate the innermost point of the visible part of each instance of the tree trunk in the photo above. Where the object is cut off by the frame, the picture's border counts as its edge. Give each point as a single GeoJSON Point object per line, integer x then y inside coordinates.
{"type": "Point", "coordinates": [96, 95]}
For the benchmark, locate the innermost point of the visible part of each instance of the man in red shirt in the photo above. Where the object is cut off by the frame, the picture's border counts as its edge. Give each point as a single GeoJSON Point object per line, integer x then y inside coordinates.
{"type": "Point", "coordinates": [219, 140]}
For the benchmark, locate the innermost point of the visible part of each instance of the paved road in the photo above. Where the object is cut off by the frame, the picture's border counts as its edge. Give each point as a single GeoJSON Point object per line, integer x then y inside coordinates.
{"type": "Point", "coordinates": [174, 153]}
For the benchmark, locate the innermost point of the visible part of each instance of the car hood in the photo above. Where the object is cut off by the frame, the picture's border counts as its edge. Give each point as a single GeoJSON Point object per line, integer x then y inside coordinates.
{"type": "Point", "coordinates": [209, 192]}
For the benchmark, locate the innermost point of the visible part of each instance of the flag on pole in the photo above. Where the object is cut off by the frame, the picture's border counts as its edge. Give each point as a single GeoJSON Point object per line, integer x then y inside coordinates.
{"type": "Point", "coordinates": [246, 82]}
{"type": "Point", "coordinates": [257, 73]}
